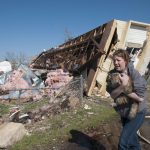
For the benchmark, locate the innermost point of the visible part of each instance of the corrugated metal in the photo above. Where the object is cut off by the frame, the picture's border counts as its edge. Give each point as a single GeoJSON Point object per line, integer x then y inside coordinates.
{"type": "Point", "coordinates": [136, 34]}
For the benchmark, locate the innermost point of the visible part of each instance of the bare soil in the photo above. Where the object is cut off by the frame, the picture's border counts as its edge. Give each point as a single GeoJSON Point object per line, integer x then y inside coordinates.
{"type": "Point", "coordinates": [105, 137]}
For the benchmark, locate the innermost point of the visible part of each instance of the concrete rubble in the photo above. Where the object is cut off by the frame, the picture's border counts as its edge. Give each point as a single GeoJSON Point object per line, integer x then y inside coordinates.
{"type": "Point", "coordinates": [10, 133]}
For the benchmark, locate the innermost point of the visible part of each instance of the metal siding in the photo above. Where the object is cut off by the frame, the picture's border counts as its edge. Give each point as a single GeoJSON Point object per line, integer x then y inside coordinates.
{"type": "Point", "coordinates": [136, 34]}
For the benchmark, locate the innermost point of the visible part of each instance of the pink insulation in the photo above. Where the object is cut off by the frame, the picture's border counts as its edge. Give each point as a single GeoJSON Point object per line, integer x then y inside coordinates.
{"type": "Point", "coordinates": [15, 81]}
{"type": "Point", "coordinates": [57, 79]}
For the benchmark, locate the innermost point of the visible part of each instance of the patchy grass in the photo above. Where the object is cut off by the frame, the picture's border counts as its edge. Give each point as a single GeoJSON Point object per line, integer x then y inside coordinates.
{"type": "Point", "coordinates": [60, 126]}
{"type": "Point", "coordinates": [4, 109]}
{"type": "Point", "coordinates": [25, 107]}
{"type": "Point", "coordinates": [34, 105]}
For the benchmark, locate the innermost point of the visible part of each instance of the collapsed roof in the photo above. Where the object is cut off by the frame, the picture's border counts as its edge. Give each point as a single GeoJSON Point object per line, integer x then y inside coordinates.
{"type": "Point", "coordinates": [78, 53]}
{"type": "Point", "coordinates": [82, 54]}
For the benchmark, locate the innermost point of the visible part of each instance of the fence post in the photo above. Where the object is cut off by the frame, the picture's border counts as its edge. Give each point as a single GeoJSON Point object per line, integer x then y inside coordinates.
{"type": "Point", "coordinates": [19, 97]}
{"type": "Point", "coordinates": [81, 85]}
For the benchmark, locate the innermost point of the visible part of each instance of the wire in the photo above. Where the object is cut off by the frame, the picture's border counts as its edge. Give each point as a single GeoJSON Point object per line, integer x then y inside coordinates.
{"type": "Point", "coordinates": [142, 137]}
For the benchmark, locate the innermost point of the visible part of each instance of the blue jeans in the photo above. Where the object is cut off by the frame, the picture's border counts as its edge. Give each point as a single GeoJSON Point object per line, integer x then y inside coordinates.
{"type": "Point", "coordinates": [128, 137]}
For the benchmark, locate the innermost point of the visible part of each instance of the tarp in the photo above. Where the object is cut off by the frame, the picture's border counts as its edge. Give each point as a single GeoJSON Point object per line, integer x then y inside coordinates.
{"type": "Point", "coordinates": [5, 66]}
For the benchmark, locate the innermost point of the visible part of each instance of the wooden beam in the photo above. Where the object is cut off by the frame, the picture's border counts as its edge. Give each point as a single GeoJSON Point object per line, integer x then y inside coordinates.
{"type": "Point", "coordinates": [104, 45]}
{"type": "Point", "coordinates": [98, 46]}
{"type": "Point", "coordinates": [88, 63]}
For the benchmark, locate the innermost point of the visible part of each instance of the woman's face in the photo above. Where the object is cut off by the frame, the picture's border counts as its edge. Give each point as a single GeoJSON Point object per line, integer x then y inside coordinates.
{"type": "Point", "coordinates": [119, 63]}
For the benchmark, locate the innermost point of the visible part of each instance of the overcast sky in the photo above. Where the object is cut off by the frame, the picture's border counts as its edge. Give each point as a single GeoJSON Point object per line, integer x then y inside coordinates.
{"type": "Point", "coordinates": [30, 26]}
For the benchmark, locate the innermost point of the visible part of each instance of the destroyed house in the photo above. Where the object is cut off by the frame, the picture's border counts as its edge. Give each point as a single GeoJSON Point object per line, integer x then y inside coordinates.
{"type": "Point", "coordinates": [88, 54]}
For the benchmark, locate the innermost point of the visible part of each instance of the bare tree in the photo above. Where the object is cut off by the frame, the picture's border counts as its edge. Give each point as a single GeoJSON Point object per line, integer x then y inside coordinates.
{"type": "Point", "coordinates": [68, 35]}
{"type": "Point", "coordinates": [16, 59]}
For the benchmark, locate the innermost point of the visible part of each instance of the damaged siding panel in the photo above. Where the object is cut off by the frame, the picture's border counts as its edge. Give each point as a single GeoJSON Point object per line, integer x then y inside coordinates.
{"type": "Point", "coordinates": [136, 34]}
{"type": "Point", "coordinates": [138, 37]}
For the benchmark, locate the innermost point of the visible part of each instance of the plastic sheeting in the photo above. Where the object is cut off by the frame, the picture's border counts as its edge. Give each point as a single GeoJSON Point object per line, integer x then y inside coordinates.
{"type": "Point", "coordinates": [20, 83]}
{"type": "Point", "coordinates": [5, 66]}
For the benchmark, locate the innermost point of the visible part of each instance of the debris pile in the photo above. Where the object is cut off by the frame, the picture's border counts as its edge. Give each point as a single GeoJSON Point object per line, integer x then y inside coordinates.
{"type": "Point", "coordinates": [66, 100]}
{"type": "Point", "coordinates": [57, 79]}
{"type": "Point", "coordinates": [62, 92]}
{"type": "Point", "coordinates": [24, 83]}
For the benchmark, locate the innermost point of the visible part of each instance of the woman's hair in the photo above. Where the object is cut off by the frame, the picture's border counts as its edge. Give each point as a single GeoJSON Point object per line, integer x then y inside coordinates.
{"type": "Point", "coordinates": [122, 53]}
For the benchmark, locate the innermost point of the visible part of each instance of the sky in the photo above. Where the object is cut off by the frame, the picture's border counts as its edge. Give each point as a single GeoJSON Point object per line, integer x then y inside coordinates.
{"type": "Point", "coordinates": [31, 26]}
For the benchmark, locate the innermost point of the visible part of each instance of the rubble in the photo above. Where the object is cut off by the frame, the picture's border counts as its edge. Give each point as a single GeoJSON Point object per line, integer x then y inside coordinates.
{"type": "Point", "coordinates": [23, 83]}
{"type": "Point", "coordinates": [11, 133]}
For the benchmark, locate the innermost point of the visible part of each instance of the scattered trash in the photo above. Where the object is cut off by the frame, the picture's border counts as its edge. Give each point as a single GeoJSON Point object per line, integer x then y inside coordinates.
{"type": "Point", "coordinates": [14, 114]}
{"type": "Point", "coordinates": [87, 107]}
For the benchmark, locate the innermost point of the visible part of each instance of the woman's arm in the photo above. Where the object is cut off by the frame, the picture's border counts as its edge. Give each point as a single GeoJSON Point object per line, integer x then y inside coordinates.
{"type": "Point", "coordinates": [116, 92]}
{"type": "Point", "coordinates": [124, 80]}
{"type": "Point", "coordinates": [135, 97]}
{"type": "Point", "coordinates": [120, 89]}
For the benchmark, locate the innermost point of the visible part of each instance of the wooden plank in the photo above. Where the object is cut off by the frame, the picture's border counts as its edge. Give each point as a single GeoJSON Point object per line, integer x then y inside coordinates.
{"type": "Point", "coordinates": [98, 46]}
{"type": "Point", "coordinates": [104, 45]}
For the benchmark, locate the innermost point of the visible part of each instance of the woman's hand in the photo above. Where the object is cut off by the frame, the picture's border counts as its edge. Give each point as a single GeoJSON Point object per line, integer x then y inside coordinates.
{"type": "Point", "coordinates": [124, 78]}
{"type": "Point", "coordinates": [141, 99]}
{"type": "Point", "coordinates": [135, 97]}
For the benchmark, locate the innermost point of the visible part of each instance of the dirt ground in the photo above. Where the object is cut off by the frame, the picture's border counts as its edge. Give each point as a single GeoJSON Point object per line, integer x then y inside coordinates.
{"type": "Point", "coordinates": [105, 137]}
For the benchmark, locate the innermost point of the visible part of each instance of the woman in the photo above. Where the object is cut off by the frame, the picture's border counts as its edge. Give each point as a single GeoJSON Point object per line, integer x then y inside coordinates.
{"type": "Point", "coordinates": [128, 137]}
